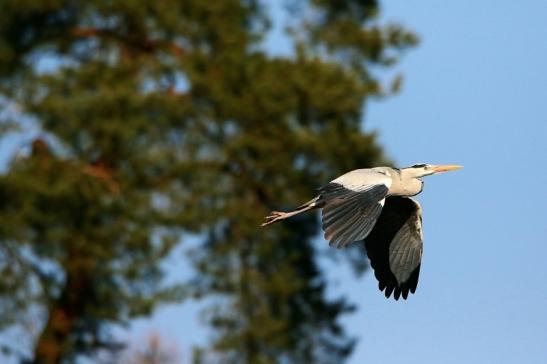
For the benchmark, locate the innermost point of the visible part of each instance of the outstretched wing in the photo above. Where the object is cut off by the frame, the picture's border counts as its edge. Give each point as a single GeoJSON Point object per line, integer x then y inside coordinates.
{"type": "Point", "coordinates": [395, 246]}
{"type": "Point", "coordinates": [351, 204]}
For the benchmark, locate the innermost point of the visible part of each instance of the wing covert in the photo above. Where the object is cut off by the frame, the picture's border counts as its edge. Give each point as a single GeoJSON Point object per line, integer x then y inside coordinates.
{"type": "Point", "coordinates": [351, 206]}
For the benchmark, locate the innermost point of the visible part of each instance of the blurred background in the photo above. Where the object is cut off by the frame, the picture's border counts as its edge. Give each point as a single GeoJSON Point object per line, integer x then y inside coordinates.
{"type": "Point", "coordinates": [142, 143]}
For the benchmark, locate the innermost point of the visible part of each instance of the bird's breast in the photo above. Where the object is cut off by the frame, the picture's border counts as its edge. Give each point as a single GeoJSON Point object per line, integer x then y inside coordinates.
{"type": "Point", "coordinates": [406, 188]}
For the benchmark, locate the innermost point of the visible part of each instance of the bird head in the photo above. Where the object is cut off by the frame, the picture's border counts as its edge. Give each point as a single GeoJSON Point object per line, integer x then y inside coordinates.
{"type": "Point", "coordinates": [422, 170]}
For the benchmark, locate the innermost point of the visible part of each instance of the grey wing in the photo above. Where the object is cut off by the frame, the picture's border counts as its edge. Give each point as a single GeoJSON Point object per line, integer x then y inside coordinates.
{"type": "Point", "coordinates": [395, 246]}
{"type": "Point", "coordinates": [405, 251]}
{"type": "Point", "coordinates": [351, 205]}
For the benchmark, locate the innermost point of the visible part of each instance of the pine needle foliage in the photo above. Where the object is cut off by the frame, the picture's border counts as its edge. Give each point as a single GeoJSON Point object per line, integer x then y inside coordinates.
{"type": "Point", "coordinates": [164, 117]}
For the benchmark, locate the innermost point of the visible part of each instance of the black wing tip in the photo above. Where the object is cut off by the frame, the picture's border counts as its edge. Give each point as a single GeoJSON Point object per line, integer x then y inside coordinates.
{"type": "Point", "coordinates": [389, 285]}
{"type": "Point", "coordinates": [397, 291]}
{"type": "Point", "coordinates": [389, 290]}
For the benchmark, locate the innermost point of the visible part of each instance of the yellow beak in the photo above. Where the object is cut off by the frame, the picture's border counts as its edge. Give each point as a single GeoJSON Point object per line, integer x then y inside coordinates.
{"type": "Point", "coordinates": [446, 168]}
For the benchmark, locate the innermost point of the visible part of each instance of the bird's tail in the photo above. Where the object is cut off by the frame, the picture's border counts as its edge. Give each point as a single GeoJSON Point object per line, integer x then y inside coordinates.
{"type": "Point", "coordinates": [276, 216]}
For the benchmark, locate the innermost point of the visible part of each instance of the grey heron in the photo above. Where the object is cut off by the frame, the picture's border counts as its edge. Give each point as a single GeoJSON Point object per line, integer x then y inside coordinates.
{"type": "Point", "coordinates": [374, 204]}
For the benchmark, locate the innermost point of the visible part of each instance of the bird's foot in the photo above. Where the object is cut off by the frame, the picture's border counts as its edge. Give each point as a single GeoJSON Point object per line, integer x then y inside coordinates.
{"type": "Point", "coordinates": [274, 217]}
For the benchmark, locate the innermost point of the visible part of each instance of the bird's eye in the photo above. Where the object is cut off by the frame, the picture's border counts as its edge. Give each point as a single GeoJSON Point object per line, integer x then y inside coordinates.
{"type": "Point", "coordinates": [419, 166]}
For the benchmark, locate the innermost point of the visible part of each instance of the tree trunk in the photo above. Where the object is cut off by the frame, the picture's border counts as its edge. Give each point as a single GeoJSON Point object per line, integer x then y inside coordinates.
{"type": "Point", "coordinates": [54, 340]}
{"type": "Point", "coordinates": [55, 343]}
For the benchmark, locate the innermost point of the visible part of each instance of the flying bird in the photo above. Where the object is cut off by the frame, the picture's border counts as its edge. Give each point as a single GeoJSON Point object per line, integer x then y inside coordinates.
{"type": "Point", "coordinates": [374, 204]}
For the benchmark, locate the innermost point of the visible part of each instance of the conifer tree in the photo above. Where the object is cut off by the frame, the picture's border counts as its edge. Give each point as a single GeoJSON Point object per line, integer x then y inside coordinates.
{"type": "Point", "coordinates": [164, 117]}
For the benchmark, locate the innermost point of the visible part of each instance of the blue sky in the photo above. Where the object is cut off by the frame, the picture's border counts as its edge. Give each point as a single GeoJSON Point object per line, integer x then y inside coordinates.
{"type": "Point", "coordinates": [475, 93]}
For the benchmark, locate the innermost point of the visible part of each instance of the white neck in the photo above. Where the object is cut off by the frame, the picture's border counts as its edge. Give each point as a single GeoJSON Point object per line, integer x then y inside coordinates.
{"type": "Point", "coordinates": [406, 184]}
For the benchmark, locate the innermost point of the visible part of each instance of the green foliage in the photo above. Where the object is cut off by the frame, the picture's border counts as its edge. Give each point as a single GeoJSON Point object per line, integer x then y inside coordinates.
{"type": "Point", "coordinates": [163, 117]}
